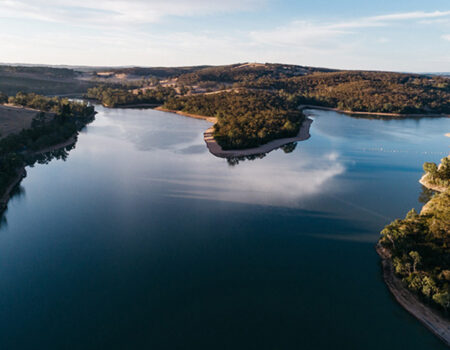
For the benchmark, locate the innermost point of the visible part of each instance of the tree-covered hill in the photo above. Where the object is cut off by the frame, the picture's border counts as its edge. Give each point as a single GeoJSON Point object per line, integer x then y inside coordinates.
{"type": "Point", "coordinates": [247, 73]}
{"type": "Point", "coordinates": [116, 97]}
{"type": "Point", "coordinates": [382, 92]}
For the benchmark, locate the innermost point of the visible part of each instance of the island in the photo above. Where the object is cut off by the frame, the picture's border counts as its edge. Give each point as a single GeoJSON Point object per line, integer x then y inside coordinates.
{"type": "Point", "coordinates": [415, 253]}
{"type": "Point", "coordinates": [31, 125]}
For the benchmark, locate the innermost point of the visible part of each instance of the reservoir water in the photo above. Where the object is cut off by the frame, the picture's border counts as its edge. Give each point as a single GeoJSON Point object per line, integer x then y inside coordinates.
{"type": "Point", "coordinates": [141, 239]}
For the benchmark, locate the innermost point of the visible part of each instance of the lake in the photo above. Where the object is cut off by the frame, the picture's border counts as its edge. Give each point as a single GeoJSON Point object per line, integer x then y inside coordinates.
{"type": "Point", "coordinates": [141, 239]}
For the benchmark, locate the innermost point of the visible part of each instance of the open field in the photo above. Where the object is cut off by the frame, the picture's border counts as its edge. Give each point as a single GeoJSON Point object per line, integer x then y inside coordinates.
{"type": "Point", "coordinates": [14, 119]}
{"type": "Point", "coordinates": [12, 82]}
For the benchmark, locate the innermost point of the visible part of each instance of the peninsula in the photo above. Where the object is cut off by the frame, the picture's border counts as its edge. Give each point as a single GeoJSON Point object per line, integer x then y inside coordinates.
{"type": "Point", "coordinates": [215, 148]}
{"type": "Point", "coordinates": [415, 255]}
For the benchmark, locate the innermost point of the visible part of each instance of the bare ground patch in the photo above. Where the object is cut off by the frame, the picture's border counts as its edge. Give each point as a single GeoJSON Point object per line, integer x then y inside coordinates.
{"type": "Point", "coordinates": [14, 119]}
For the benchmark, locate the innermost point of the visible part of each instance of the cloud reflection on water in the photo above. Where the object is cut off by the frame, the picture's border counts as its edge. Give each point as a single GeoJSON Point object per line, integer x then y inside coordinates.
{"type": "Point", "coordinates": [285, 183]}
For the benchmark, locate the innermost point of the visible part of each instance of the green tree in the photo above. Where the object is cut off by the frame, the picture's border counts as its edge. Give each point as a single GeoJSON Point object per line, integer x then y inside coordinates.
{"type": "Point", "coordinates": [415, 256]}
{"type": "Point", "coordinates": [430, 168]}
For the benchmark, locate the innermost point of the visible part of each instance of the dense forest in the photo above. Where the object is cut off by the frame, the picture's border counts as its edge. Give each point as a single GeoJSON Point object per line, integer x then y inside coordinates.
{"type": "Point", "coordinates": [420, 246]}
{"type": "Point", "coordinates": [381, 92]}
{"type": "Point", "coordinates": [66, 118]}
{"type": "Point", "coordinates": [244, 119]}
{"type": "Point", "coordinates": [115, 97]}
{"type": "Point", "coordinates": [158, 72]}
{"type": "Point", "coordinates": [246, 74]}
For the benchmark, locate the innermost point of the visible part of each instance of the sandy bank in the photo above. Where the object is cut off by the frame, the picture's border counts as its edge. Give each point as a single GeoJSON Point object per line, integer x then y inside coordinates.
{"type": "Point", "coordinates": [195, 116]}
{"type": "Point", "coordinates": [137, 105]}
{"type": "Point", "coordinates": [424, 181]}
{"type": "Point", "coordinates": [429, 317]}
{"type": "Point", "coordinates": [217, 150]}
{"type": "Point", "coordinates": [434, 115]}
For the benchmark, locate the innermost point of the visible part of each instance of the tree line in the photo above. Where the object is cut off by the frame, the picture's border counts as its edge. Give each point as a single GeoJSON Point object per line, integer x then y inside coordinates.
{"type": "Point", "coordinates": [359, 91]}
{"type": "Point", "coordinates": [115, 97]}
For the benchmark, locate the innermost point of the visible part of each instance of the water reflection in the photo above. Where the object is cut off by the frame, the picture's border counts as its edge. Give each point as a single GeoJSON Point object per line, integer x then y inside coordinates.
{"type": "Point", "coordinates": [19, 192]}
{"type": "Point", "coordinates": [47, 157]}
{"type": "Point", "coordinates": [283, 183]}
{"type": "Point", "coordinates": [426, 195]}
{"type": "Point", "coordinates": [288, 148]}
{"type": "Point", "coordinates": [106, 240]}
{"type": "Point", "coordinates": [233, 161]}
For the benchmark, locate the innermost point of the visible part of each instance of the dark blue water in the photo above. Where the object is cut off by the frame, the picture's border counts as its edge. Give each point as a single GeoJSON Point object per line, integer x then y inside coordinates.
{"type": "Point", "coordinates": [141, 239]}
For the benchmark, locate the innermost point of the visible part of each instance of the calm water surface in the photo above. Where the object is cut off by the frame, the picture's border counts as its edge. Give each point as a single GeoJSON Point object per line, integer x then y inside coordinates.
{"type": "Point", "coordinates": [141, 239]}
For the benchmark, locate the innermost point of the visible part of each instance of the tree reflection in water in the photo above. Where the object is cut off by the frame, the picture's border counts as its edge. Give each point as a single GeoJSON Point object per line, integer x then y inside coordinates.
{"type": "Point", "coordinates": [233, 161]}
{"type": "Point", "coordinates": [31, 160]}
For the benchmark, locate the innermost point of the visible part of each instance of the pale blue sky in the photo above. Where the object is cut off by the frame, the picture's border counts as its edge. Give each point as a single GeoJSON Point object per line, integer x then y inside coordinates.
{"type": "Point", "coordinates": [396, 35]}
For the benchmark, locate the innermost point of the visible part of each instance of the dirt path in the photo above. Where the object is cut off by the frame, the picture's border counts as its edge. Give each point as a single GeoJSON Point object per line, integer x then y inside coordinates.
{"type": "Point", "coordinates": [429, 317]}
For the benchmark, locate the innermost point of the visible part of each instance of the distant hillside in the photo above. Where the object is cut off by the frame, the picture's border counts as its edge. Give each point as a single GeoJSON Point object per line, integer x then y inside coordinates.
{"type": "Point", "coordinates": [247, 72]}
{"type": "Point", "coordinates": [41, 80]}
{"type": "Point", "coordinates": [357, 91]}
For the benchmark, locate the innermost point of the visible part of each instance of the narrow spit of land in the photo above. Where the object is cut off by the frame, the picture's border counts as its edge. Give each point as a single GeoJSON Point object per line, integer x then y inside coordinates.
{"type": "Point", "coordinates": [217, 150]}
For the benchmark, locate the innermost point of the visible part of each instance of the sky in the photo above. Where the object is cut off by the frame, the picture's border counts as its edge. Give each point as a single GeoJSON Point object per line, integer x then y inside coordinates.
{"type": "Point", "coordinates": [395, 35]}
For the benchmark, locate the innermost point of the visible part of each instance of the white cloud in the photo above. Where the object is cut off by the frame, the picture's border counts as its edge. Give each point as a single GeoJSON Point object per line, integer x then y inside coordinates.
{"type": "Point", "coordinates": [298, 33]}
{"type": "Point", "coordinates": [411, 15]}
{"type": "Point", "coordinates": [383, 40]}
{"type": "Point", "coordinates": [118, 39]}
{"type": "Point", "coordinates": [117, 11]}
{"type": "Point", "coordinates": [309, 33]}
